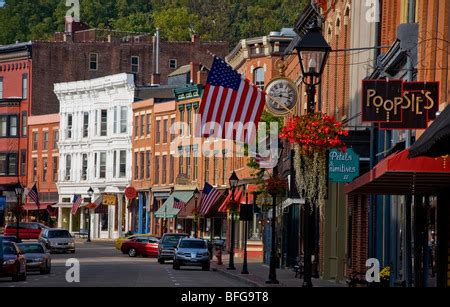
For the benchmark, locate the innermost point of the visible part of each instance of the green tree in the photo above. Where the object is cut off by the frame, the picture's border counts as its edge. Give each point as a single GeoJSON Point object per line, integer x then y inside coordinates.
{"type": "Point", "coordinates": [176, 24]}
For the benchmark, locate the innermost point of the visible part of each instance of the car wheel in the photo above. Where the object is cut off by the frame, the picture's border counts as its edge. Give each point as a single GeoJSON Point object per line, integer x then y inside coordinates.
{"type": "Point", "coordinates": [206, 267]}
{"type": "Point", "coordinates": [161, 261]}
{"type": "Point", "coordinates": [132, 253]}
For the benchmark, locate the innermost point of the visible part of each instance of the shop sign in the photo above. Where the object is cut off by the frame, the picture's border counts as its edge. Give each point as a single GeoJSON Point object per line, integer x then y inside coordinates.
{"type": "Point", "coordinates": [395, 104]}
{"type": "Point", "coordinates": [109, 200]}
{"type": "Point", "coordinates": [343, 167]}
{"type": "Point", "coordinates": [131, 193]}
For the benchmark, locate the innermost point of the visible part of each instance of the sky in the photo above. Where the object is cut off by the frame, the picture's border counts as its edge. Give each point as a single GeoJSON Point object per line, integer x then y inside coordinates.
{"type": "Point", "coordinates": [2, 2]}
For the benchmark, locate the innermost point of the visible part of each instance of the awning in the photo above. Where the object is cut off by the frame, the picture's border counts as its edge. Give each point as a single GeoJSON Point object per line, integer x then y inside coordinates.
{"type": "Point", "coordinates": [34, 207]}
{"type": "Point", "coordinates": [399, 175]}
{"type": "Point", "coordinates": [435, 142]}
{"type": "Point", "coordinates": [238, 197]}
{"type": "Point", "coordinates": [167, 211]}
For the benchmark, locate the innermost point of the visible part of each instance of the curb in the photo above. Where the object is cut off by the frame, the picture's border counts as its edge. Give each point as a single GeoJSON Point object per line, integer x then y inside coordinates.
{"type": "Point", "coordinates": [236, 277]}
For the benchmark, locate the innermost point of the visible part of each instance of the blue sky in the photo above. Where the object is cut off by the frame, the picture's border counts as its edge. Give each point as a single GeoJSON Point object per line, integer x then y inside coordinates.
{"type": "Point", "coordinates": [2, 2]}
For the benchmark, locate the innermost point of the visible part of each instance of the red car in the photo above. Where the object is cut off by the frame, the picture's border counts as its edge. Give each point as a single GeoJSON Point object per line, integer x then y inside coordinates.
{"type": "Point", "coordinates": [14, 262]}
{"type": "Point", "coordinates": [27, 231]}
{"type": "Point", "coordinates": [144, 246]}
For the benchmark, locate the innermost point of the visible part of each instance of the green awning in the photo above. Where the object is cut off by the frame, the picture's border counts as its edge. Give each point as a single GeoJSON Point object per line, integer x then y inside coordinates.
{"type": "Point", "coordinates": [167, 211]}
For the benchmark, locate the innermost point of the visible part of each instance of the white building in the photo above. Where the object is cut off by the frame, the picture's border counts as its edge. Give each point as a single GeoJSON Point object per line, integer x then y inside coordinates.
{"type": "Point", "coordinates": [95, 152]}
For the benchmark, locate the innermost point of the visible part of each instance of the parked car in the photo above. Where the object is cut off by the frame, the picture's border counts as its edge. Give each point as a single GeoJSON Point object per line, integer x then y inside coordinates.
{"type": "Point", "coordinates": [27, 231]}
{"type": "Point", "coordinates": [38, 258]}
{"type": "Point", "coordinates": [167, 246]}
{"type": "Point", "coordinates": [120, 241]}
{"type": "Point", "coordinates": [14, 262]}
{"type": "Point", "coordinates": [144, 246]}
{"type": "Point", "coordinates": [57, 240]}
{"type": "Point", "coordinates": [10, 239]}
{"type": "Point", "coordinates": [192, 252]}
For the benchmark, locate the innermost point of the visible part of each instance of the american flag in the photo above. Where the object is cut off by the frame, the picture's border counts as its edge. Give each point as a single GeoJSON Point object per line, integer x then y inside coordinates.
{"type": "Point", "coordinates": [34, 195]}
{"type": "Point", "coordinates": [210, 196]}
{"type": "Point", "coordinates": [77, 200]}
{"type": "Point", "coordinates": [230, 101]}
{"type": "Point", "coordinates": [179, 204]}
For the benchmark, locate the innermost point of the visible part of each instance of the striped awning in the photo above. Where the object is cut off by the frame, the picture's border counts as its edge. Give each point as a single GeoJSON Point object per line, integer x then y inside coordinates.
{"type": "Point", "coordinates": [167, 211]}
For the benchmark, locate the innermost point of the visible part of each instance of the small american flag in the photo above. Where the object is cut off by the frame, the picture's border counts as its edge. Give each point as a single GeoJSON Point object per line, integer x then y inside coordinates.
{"type": "Point", "coordinates": [34, 195]}
{"type": "Point", "coordinates": [179, 204]}
{"type": "Point", "coordinates": [77, 200]}
{"type": "Point", "coordinates": [210, 196]}
{"type": "Point", "coordinates": [231, 102]}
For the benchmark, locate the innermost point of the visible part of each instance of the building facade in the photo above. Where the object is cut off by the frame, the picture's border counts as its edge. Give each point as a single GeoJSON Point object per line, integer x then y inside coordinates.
{"type": "Point", "coordinates": [95, 152]}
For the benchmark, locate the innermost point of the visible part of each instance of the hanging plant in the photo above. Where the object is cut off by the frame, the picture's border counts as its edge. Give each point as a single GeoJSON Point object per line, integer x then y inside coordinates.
{"type": "Point", "coordinates": [233, 207]}
{"type": "Point", "coordinates": [276, 185]}
{"type": "Point", "coordinates": [313, 135]}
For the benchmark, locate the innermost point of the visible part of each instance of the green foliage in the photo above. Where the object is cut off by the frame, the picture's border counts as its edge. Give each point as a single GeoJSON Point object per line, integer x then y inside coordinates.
{"type": "Point", "coordinates": [220, 20]}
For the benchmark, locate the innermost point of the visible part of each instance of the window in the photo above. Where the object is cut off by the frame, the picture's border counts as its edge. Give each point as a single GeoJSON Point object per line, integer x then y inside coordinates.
{"type": "Point", "coordinates": [158, 131]}
{"type": "Point", "coordinates": [134, 64]}
{"type": "Point", "coordinates": [195, 166]}
{"type": "Point", "coordinates": [181, 163]}
{"type": "Point", "coordinates": [3, 126]}
{"type": "Point", "coordinates": [13, 126]}
{"type": "Point", "coordinates": [173, 64]}
{"type": "Point", "coordinates": [166, 131]}
{"type": "Point", "coordinates": [25, 86]}
{"type": "Point", "coordinates": [147, 165]}
{"type": "Point", "coordinates": [44, 169]}
{"type": "Point", "coordinates": [115, 164]}
{"type": "Point", "coordinates": [84, 168]}
{"type": "Point", "coordinates": [172, 169]}
{"type": "Point", "coordinates": [136, 126]}
{"type": "Point", "coordinates": [12, 164]}
{"type": "Point", "coordinates": [164, 169]}
{"type": "Point", "coordinates": [55, 169]}
{"type": "Point", "coordinates": [225, 171]}
{"type": "Point", "coordinates": [142, 169]}
{"type": "Point", "coordinates": [68, 167]}
{"type": "Point", "coordinates": [102, 165]}
{"type": "Point", "coordinates": [123, 120]}
{"type": "Point", "coordinates": [116, 119]}
{"type": "Point", "coordinates": [172, 126]}
{"type": "Point", "coordinates": [142, 125]}
{"type": "Point", "coordinates": [123, 164]}
{"type": "Point", "coordinates": [69, 125]}
{"type": "Point", "coordinates": [23, 163]}
{"type": "Point", "coordinates": [104, 123]}
{"type": "Point", "coordinates": [206, 169]}
{"type": "Point", "coordinates": [55, 139]}
{"type": "Point", "coordinates": [3, 163]}
{"type": "Point", "coordinates": [24, 123]}
{"type": "Point", "coordinates": [45, 140]}
{"type": "Point", "coordinates": [35, 140]}
{"type": "Point", "coordinates": [35, 163]}
{"type": "Point", "coordinates": [216, 173]}
{"type": "Point", "coordinates": [182, 121]}
{"type": "Point", "coordinates": [93, 61]}
{"type": "Point", "coordinates": [85, 124]}
{"type": "Point", "coordinates": [149, 125]}
{"type": "Point", "coordinates": [1, 88]}
{"type": "Point", "coordinates": [136, 166]}
{"type": "Point", "coordinates": [95, 165]}
{"type": "Point", "coordinates": [258, 77]}
{"type": "Point", "coordinates": [188, 165]}
{"type": "Point", "coordinates": [189, 120]}
{"type": "Point", "coordinates": [157, 170]}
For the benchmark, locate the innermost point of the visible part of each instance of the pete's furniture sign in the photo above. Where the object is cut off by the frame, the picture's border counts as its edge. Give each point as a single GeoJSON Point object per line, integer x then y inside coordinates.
{"type": "Point", "coordinates": [395, 104]}
{"type": "Point", "coordinates": [343, 167]}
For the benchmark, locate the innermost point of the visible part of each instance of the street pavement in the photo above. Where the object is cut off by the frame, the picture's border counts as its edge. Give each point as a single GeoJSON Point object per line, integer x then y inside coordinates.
{"type": "Point", "coordinates": [101, 265]}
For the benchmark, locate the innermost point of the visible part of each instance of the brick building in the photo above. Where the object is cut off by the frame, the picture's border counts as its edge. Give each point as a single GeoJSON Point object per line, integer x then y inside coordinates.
{"type": "Point", "coordinates": [15, 94]}
{"type": "Point", "coordinates": [43, 162]}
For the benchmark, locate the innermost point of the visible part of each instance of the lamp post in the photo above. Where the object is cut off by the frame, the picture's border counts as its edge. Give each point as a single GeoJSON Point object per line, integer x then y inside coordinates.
{"type": "Point", "coordinates": [19, 192]}
{"type": "Point", "coordinates": [313, 52]}
{"type": "Point", "coordinates": [196, 197]}
{"type": "Point", "coordinates": [91, 194]}
{"type": "Point", "coordinates": [234, 181]}
{"type": "Point", "coordinates": [273, 254]}
{"type": "Point", "coordinates": [245, 266]}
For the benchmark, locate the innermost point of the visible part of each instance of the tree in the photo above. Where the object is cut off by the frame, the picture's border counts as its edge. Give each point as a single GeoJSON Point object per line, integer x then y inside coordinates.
{"type": "Point", "coordinates": [176, 24]}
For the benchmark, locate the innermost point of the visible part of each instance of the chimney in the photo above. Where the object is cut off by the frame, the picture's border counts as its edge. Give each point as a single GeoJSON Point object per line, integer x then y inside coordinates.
{"type": "Point", "coordinates": [195, 38]}
{"type": "Point", "coordinates": [194, 72]}
{"type": "Point", "coordinates": [202, 77]}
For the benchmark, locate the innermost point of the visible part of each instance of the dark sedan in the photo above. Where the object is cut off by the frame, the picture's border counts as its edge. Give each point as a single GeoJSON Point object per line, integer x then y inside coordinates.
{"type": "Point", "coordinates": [14, 262]}
{"type": "Point", "coordinates": [38, 259]}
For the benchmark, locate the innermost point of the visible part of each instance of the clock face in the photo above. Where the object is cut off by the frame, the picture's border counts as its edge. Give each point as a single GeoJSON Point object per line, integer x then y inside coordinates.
{"type": "Point", "coordinates": [282, 96]}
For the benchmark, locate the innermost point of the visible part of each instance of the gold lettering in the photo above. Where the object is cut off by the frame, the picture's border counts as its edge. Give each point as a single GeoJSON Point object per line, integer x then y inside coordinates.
{"type": "Point", "coordinates": [389, 102]}
{"type": "Point", "coordinates": [370, 94]}
{"type": "Point", "coordinates": [430, 100]}
{"type": "Point", "coordinates": [418, 102]}
{"type": "Point", "coordinates": [380, 99]}
{"type": "Point", "coordinates": [407, 98]}
{"type": "Point", "coordinates": [398, 101]}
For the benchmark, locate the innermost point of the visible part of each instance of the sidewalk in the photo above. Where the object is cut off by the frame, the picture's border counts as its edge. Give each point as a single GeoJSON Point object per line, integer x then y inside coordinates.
{"type": "Point", "coordinates": [259, 274]}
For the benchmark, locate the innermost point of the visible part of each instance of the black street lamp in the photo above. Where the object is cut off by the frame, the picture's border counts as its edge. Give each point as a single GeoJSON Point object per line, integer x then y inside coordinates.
{"type": "Point", "coordinates": [234, 181]}
{"type": "Point", "coordinates": [18, 211]}
{"type": "Point", "coordinates": [91, 194]}
{"type": "Point", "coordinates": [196, 197]}
{"type": "Point", "coordinates": [245, 265]}
{"type": "Point", "coordinates": [313, 52]}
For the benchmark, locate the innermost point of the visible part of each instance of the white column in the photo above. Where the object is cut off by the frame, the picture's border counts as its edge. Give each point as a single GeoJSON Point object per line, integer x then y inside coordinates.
{"type": "Point", "coordinates": [60, 217]}
{"type": "Point", "coordinates": [127, 215]}
{"type": "Point", "coordinates": [120, 212]}
{"type": "Point", "coordinates": [70, 222]}
{"type": "Point", "coordinates": [82, 219]}
{"type": "Point", "coordinates": [111, 219]}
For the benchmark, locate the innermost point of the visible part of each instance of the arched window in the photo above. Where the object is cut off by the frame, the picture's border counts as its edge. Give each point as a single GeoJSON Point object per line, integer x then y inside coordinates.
{"type": "Point", "coordinates": [258, 77]}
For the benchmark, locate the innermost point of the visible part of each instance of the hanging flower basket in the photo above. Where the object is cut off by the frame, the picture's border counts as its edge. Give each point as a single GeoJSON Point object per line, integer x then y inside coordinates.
{"type": "Point", "coordinates": [313, 135]}
{"type": "Point", "coordinates": [276, 186]}
{"type": "Point", "coordinates": [233, 207]}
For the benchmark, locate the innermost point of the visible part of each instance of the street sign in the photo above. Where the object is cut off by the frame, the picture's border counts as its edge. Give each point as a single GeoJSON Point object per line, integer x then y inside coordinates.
{"type": "Point", "coordinates": [343, 167]}
{"type": "Point", "coordinates": [131, 193]}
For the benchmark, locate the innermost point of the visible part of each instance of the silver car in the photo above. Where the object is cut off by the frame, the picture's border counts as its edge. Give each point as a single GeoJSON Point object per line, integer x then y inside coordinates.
{"type": "Point", "coordinates": [38, 258]}
{"type": "Point", "coordinates": [192, 252]}
{"type": "Point", "coordinates": [57, 240]}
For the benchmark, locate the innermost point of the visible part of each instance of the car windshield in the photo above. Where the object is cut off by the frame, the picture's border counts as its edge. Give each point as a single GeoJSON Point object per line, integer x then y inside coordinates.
{"type": "Point", "coordinates": [59, 234]}
{"type": "Point", "coordinates": [193, 244]}
{"type": "Point", "coordinates": [9, 249]}
{"type": "Point", "coordinates": [32, 248]}
{"type": "Point", "coordinates": [172, 239]}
